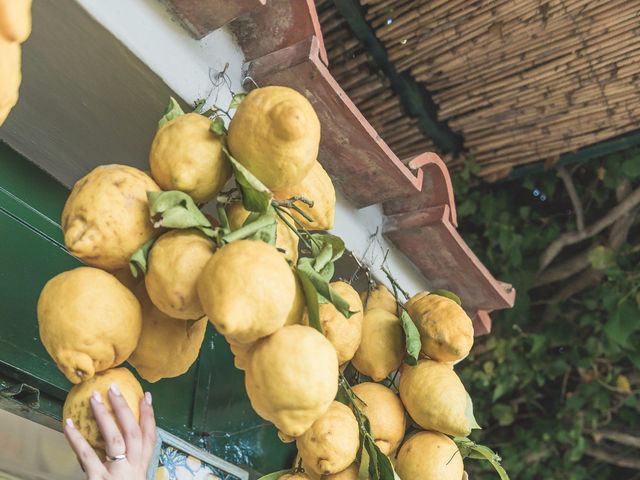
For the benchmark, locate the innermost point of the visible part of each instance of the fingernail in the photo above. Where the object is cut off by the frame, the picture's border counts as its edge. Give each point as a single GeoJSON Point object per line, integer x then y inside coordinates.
{"type": "Point", "coordinates": [148, 398]}
{"type": "Point", "coordinates": [96, 396]}
{"type": "Point", "coordinates": [69, 423]}
{"type": "Point", "coordinates": [114, 389]}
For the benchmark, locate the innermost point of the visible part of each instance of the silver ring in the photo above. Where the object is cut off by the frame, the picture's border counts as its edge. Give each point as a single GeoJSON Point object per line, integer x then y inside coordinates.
{"type": "Point", "coordinates": [116, 458]}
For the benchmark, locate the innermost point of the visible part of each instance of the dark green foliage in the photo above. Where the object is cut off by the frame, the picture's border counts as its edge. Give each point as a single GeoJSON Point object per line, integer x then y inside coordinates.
{"type": "Point", "coordinates": [561, 368]}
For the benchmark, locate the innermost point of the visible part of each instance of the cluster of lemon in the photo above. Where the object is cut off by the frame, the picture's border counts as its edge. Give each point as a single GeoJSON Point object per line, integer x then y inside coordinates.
{"type": "Point", "coordinates": [15, 28]}
{"type": "Point", "coordinates": [429, 391]}
{"type": "Point", "coordinates": [292, 346]}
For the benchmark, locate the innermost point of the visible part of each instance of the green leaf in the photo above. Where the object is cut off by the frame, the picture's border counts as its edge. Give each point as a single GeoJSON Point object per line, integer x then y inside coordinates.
{"type": "Point", "coordinates": [602, 258]}
{"type": "Point", "coordinates": [311, 298]}
{"type": "Point", "coordinates": [468, 411]}
{"type": "Point", "coordinates": [385, 467]}
{"type": "Point", "coordinates": [326, 248]}
{"type": "Point", "coordinates": [469, 449]}
{"type": "Point", "coordinates": [172, 111]}
{"type": "Point", "coordinates": [447, 294]}
{"type": "Point", "coordinates": [372, 451]}
{"type": "Point", "coordinates": [631, 168]}
{"type": "Point", "coordinates": [257, 227]}
{"type": "Point", "coordinates": [218, 127]}
{"type": "Point", "coordinates": [236, 100]}
{"type": "Point", "coordinates": [176, 209]}
{"type": "Point", "coordinates": [413, 344]}
{"type": "Point", "coordinates": [276, 475]}
{"type": "Point", "coordinates": [322, 287]}
{"type": "Point", "coordinates": [363, 471]}
{"type": "Point", "coordinates": [255, 196]}
{"type": "Point", "coordinates": [622, 324]}
{"type": "Point", "coordinates": [138, 261]}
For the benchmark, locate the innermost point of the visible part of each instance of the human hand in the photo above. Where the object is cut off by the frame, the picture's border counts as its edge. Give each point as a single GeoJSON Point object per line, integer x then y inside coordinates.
{"type": "Point", "coordinates": [129, 445]}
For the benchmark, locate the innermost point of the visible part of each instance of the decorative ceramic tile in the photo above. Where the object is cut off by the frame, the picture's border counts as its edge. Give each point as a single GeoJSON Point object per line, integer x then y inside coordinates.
{"type": "Point", "coordinates": [178, 460]}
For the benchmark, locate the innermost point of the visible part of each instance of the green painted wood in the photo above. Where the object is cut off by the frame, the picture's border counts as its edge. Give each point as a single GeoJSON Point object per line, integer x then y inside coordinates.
{"type": "Point", "coordinates": [207, 406]}
{"type": "Point", "coordinates": [414, 97]}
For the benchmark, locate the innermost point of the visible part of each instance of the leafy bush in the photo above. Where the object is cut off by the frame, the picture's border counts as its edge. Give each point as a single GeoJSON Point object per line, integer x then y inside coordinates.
{"type": "Point", "coordinates": [557, 383]}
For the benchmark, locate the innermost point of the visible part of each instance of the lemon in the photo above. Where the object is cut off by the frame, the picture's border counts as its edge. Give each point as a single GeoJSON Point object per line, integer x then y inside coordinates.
{"type": "Point", "coordinates": [380, 297]}
{"type": "Point", "coordinates": [385, 412]}
{"type": "Point", "coordinates": [167, 347]}
{"type": "Point", "coordinates": [88, 322]}
{"type": "Point", "coordinates": [78, 408]}
{"type": "Point", "coordinates": [286, 239]}
{"type": "Point", "coordinates": [409, 303]}
{"type": "Point", "coordinates": [332, 442]}
{"type": "Point", "coordinates": [295, 476]}
{"type": "Point", "coordinates": [275, 133]}
{"type": "Point", "coordinates": [343, 333]}
{"type": "Point", "coordinates": [382, 348]}
{"type": "Point", "coordinates": [446, 331]}
{"type": "Point", "coordinates": [15, 20]}
{"type": "Point", "coordinates": [241, 353]}
{"type": "Point", "coordinates": [10, 76]}
{"type": "Point", "coordinates": [176, 261]}
{"type": "Point", "coordinates": [317, 187]}
{"type": "Point", "coordinates": [248, 291]}
{"type": "Point", "coordinates": [106, 217]}
{"type": "Point", "coordinates": [429, 456]}
{"type": "Point", "coordinates": [292, 378]}
{"type": "Point", "coordinates": [435, 398]}
{"type": "Point", "coordinates": [350, 473]}
{"type": "Point", "coordinates": [187, 156]}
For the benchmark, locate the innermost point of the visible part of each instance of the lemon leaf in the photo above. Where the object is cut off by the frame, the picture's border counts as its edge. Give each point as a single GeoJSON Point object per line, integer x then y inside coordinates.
{"type": "Point", "coordinates": [236, 100]}
{"type": "Point", "coordinates": [311, 299]}
{"type": "Point", "coordinates": [255, 196]}
{"type": "Point", "coordinates": [175, 209]}
{"type": "Point", "coordinates": [447, 294]}
{"type": "Point", "coordinates": [326, 248]}
{"type": "Point", "coordinates": [138, 261]}
{"type": "Point", "coordinates": [217, 126]}
{"type": "Point", "coordinates": [276, 475]}
{"type": "Point", "coordinates": [172, 111]}
{"type": "Point", "coordinates": [363, 470]}
{"type": "Point", "coordinates": [256, 227]}
{"type": "Point", "coordinates": [385, 467]}
{"type": "Point", "coordinates": [469, 449]}
{"type": "Point", "coordinates": [413, 344]}
{"type": "Point", "coordinates": [468, 411]}
{"type": "Point", "coordinates": [322, 287]}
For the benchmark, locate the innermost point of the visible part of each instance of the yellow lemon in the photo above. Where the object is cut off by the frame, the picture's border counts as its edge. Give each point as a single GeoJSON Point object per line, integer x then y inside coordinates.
{"type": "Point", "coordinates": [106, 217]}
{"type": "Point", "coordinates": [88, 322]}
{"type": "Point", "coordinates": [248, 291]}
{"type": "Point", "coordinates": [382, 348]}
{"type": "Point", "coordinates": [332, 442]}
{"type": "Point", "coordinates": [429, 456]}
{"type": "Point", "coordinates": [275, 133]}
{"type": "Point", "coordinates": [379, 297]}
{"type": "Point", "coordinates": [295, 476]}
{"type": "Point", "coordinates": [286, 239]}
{"type": "Point", "coordinates": [78, 408]}
{"type": "Point", "coordinates": [409, 303]}
{"type": "Point", "coordinates": [187, 156]}
{"type": "Point", "coordinates": [10, 76]}
{"type": "Point", "coordinates": [435, 398]}
{"type": "Point", "coordinates": [167, 347]}
{"type": "Point", "coordinates": [241, 353]}
{"type": "Point", "coordinates": [317, 187]}
{"type": "Point", "coordinates": [292, 378]}
{"type": "Point", "coordinates": [385, 412]}
{"type": "Point", "coordinates": [176, 261]}
{"type": "Point", "coordinates": [343, 333]}
{"type": "Point", "coordinates": [15, 20]}
{"type": "Point", "coordinates": [446, 331]}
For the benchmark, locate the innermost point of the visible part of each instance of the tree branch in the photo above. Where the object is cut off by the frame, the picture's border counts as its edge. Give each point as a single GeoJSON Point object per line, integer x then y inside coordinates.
{"type": "Point", "coordinates": [618, 437]}
{"type": "Point", "coordinates": [564, 270]}
{"type": "Point", "coordinates": [614, 459]}
{"type": "Point", "coordinates": [565, 176]}
{"type": "Point", "coordinates": [571, 238]}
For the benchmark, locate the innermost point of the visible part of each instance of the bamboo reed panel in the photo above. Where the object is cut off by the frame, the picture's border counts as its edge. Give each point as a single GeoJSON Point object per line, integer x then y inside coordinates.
{"type": "Point", "coordinates": [521, 80]}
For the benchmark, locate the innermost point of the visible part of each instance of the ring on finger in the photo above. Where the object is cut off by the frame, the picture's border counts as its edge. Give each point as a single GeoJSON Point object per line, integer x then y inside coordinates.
{"type": "Point", "coordinates": [116, 458]}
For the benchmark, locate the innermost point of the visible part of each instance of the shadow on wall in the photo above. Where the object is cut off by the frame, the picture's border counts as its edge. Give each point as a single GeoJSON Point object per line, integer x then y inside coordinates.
{"type": "Point", "coordinates": [31, 451]}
